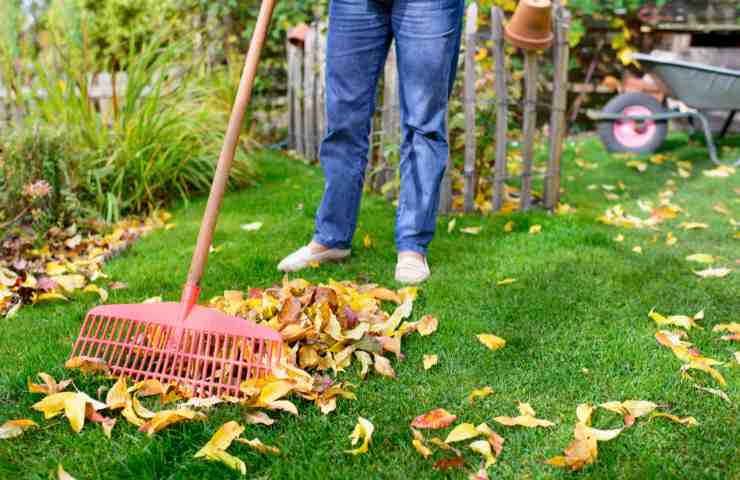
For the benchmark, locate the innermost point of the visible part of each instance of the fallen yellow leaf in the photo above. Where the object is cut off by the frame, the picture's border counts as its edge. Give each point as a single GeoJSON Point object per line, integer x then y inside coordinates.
{"type": "Point", "coordinates": [427, 325]}
{"type": "Point", "coordinates": [526, 419]}
{"type": "Point", "coordinates": [480, 393]}
{"type": "Point", "coordinates": [430, 361]}
{"type": "Point", "coordinates": [50, 385]}
{"type": "Point", "coordinates": [383, 366]}
{"type": "Point", "coordinates": [462, 432]}
{"type": "Point", "coordinates": [257, 444]}
{"type": "Point", "coordinates": [418, 443]}
{"type": "Point", "coordinates": [688, 421]}
{"type": "Point", "coordinates": [693, 226]}
{"type": "Point", "coordinates": [15, 428]}
{"type": "Point", "coordinates": [701, 258]}
{"type": "Point", "coordinates": [491, 341]}
{"type": "Point", "coordinates": [484, 448]}
{"type": "Point", "coordinates": [363, 432]}
{"type": "Point", "coordinates": [166, 418]}
{"type": "Point", "coordinates": [471, 230]}
{"type": "Point", "coordinates": [506, 281]}
{"type": "Point", "coordinates": [713, 272]}
{"type": "Point", "coordinates": [87, 365]}
{"type": "Point", "coordinates": [535, 229]}
{"type": "Point", "coordinates": [102, 293]}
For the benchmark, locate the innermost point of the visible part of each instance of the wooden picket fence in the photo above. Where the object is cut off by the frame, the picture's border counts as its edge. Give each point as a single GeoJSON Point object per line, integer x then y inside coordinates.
{"type": "Point", "coordinates": [307, 116]}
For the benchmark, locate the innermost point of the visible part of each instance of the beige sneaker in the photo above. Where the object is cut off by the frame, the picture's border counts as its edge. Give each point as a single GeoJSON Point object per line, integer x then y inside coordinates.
{"type": "Point", "coordinates": [304, 257]}
{"type": "Point", "coordinates": [412, 268]}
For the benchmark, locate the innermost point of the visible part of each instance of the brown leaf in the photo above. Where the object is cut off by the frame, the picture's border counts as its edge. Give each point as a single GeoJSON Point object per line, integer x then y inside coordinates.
{"type": "Point", "coordinates": [450, 463]}
{"type": "Point", "coordinates": [291, 311]}
{"type": "Point", "coordinates": [88, 365]}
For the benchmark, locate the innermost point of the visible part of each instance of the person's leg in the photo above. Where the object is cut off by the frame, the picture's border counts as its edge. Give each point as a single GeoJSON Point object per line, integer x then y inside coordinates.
{"type": "Point", "coordinates": [427, 34]}
{"type": "Point", "coordinates": [359, 37]}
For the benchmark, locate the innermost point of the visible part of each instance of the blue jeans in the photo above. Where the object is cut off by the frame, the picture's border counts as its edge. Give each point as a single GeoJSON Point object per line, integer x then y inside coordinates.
{"type": "Point", "coordinates": [427, 35]}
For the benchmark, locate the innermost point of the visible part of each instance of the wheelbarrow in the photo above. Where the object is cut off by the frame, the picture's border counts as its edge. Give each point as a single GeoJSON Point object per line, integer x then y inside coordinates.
{"type": "Point", "coordinates": [638, 123]}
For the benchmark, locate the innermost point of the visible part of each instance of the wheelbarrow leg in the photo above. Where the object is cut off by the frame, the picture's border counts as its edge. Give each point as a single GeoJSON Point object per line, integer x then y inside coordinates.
{"type": "Point", "coordinates": [728, 124]}
{"type": "Point", "coordinates": [708, 134]}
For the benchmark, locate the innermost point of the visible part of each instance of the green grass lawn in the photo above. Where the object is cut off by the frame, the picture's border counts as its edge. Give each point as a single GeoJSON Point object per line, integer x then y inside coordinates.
{"type": "Point", "coordinates": [575, 322]}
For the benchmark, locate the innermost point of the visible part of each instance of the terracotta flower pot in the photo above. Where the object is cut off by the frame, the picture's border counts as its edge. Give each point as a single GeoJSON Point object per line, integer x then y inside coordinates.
{"type": "Point", "coordinates": [297, 34]}
{"type": "Point", "coordinates": [531, 26]}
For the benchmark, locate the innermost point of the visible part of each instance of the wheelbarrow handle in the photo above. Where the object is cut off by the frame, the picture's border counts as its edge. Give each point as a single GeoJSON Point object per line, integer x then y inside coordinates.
{"type": "Point", "coordinates": [226, 159]}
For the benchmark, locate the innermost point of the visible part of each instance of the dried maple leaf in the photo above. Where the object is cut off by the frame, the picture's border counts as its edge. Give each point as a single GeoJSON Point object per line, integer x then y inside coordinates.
{"type": "Point", "coordinates": [430, 361]}
{"type": "Point", "coordinates": [118, 396]}
{"type": "Point", "coordinates": [526, 419]}
{"type": "Point", "coordinates": [418, 443]}
{"type": "Point", "coordinates": [366, 360]}
{"type": "Point", "coordinates": [452, 463]}
{"type": "Point", "coordinates": [50, 385]}
{"type": "Point", "coordinates": [257, 444]}
{"type": "Point", "coordinates": [484, 448]}
{"type": "Point", "coordinates": [713, 272]}
{"type": "Point", "coordinates": [166, 418]}
{"type": "Point", "coordinates": [727, 327]}
{"type": "Point", "coordinates": [383, 366]}
{"type": "Point", "coordinates": [480, 393]}
{"type": "Point", "coordinates": [427, 325]}
{"type": "Point", "coordinates": [252, 227]}
{"type": "Point", "coordinates": [101, 292]}
{"type": "Point", "coordinates": [363, 432]}
{"type": "Point", "coordinates": [15, 428]}
{"type": "Point", "coordinates": [688, 421]}
{"type": "Point", "coordinates": [216, 447]}
{"type": "Point", "coordinates": [682, 321]}
{"type": "Point", "coordinates": [462, 432]}
{"type": "Point", "coordinates": [702, 258]}
{"type": "Point", "coordinates": [434, 420]}
{"type": "Point", "coordinates": [87, 365]}
{"type": "Point", "coordinates": [258, 418]}
{"type": "Point", "coordinates": [630, 409]}
{"type": "Point", "coordinates": [491, 341]}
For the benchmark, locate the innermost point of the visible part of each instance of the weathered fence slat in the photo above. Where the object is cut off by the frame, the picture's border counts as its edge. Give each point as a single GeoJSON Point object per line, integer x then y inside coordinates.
{"type": "Point", "coordinates": [471, 35]}
{"type": "Point", "coordinates": [298, 118]}
{"type": "Point", "coordinates": [531, 72]}
{"type": "Point", "coordinates": [291, 49]}
{"type": "Point", "coordinates": [309, 102]}
{"type": "Point", "coordinates": [502, 107]}
{"type": "Point", "coordinates": [559, 105]}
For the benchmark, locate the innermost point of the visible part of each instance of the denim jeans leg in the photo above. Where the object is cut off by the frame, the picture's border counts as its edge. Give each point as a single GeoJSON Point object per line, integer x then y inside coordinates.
{"type": "Point", "coordinates": [358, 42]}
{"type": "Point", "coordinates": [427, 34]}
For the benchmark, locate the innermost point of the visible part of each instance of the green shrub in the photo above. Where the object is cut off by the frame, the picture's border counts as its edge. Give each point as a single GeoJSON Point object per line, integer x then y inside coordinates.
{"type": "Point", "coordinates": [38, 181]}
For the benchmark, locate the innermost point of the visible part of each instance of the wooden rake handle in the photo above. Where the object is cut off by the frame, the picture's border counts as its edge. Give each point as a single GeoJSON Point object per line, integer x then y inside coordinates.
{"type": "Point", "coordinates": [226, 159]}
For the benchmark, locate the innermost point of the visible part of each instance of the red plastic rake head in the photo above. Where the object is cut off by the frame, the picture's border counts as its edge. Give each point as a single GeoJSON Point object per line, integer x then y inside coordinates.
{"type": "Point", "coordinates": [210, 353]}
{"type": "Point", "coordinates": [195, 347]}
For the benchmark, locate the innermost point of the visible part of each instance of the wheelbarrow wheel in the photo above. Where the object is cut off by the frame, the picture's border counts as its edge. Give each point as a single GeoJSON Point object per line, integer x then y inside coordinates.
{"type": "Point", "coordinates": [630, 136]}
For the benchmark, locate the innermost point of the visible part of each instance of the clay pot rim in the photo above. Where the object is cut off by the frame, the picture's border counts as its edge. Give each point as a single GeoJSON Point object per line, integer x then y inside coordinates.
{"type": "Point", "coordinates": [529, 43]}
{"type": "Point", "coordinates": [297, 34]}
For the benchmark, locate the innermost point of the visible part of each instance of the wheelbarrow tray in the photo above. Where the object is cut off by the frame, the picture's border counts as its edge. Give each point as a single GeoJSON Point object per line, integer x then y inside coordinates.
{"type": "Point", "coordinates": [699, 86]}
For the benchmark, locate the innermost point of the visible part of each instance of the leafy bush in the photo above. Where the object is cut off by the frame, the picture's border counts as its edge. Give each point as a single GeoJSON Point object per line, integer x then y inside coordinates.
{"type": "Point", "coordinates": [38, 181]}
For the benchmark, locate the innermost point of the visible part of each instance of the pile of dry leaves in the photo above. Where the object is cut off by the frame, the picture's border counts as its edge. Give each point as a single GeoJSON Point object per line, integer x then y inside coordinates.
{"type": "Point", "coordinates": [68, 261]}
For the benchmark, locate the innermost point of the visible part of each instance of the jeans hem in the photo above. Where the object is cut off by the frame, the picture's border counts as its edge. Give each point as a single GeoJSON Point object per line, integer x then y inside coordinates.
{"type": "Point", "coordinates": [332, 244]}
{"type": "Point", "coordinates": [412, 247]}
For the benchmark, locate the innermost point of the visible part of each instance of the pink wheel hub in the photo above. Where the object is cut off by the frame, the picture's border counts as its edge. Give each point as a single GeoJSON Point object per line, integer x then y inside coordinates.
{"type": "Point", "coordinates": [635, 134]}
